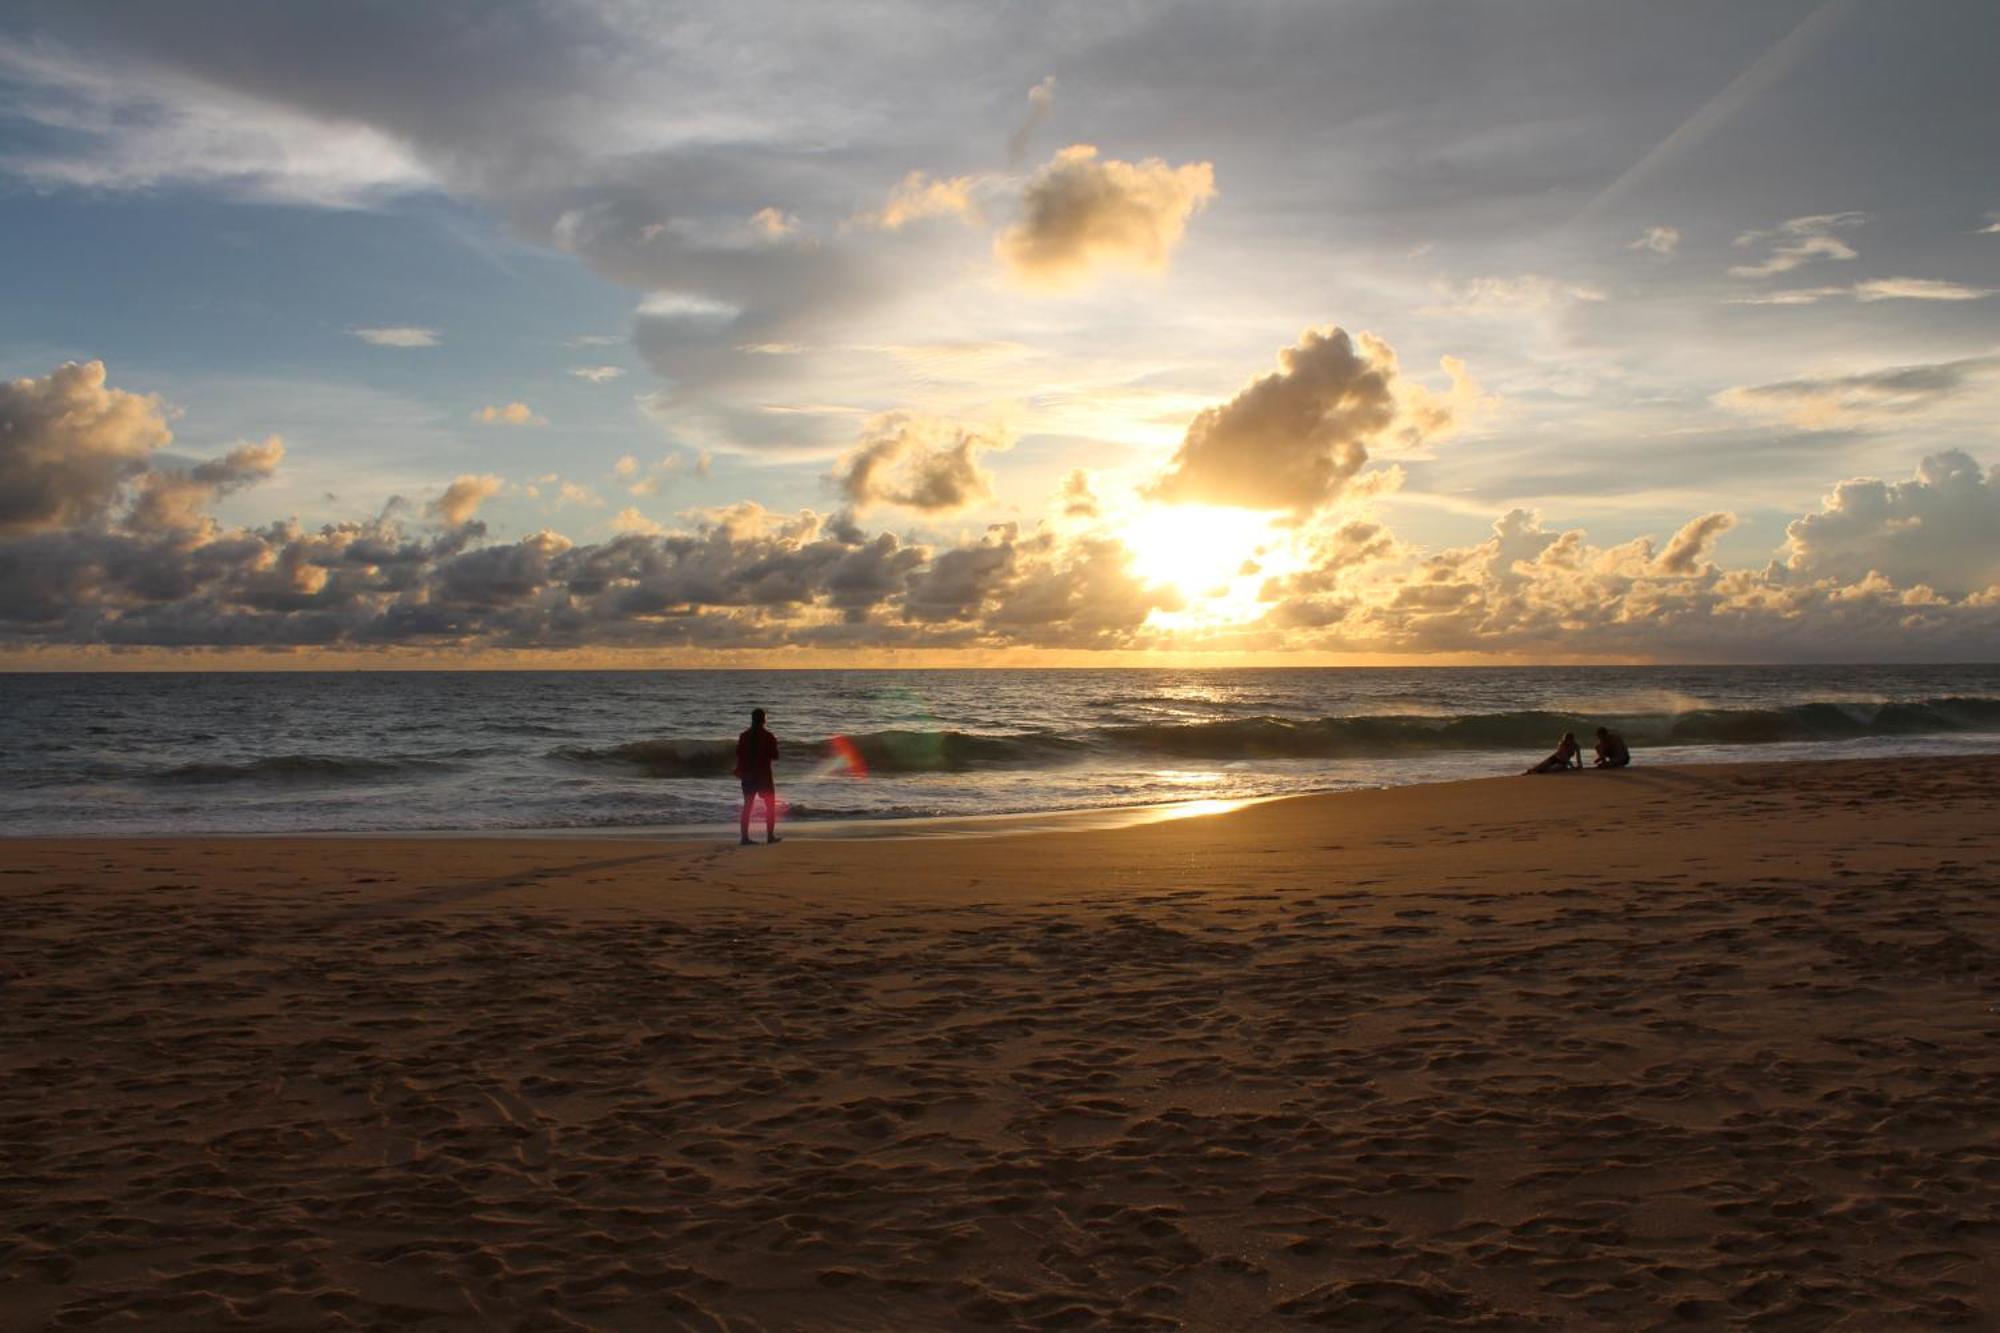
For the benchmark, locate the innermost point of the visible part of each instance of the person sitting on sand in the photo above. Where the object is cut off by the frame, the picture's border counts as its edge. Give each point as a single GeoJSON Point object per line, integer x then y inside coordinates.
{"type": "Point", "coordinates": [1568, 755]}
{"type": "Point", "coordinates": [1611, 750]}
{"type": "Point", "coordinates": [755, 751]}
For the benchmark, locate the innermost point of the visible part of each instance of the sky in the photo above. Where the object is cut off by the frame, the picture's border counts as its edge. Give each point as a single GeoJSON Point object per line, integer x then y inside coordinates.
{"type": "Point", "coordinates": [622, 333]}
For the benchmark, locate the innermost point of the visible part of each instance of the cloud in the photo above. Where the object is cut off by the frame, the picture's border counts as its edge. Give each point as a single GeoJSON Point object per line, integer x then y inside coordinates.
{"type": "Point", "coordinates": [598, 374]}
{"type": "Point", "coordinates": [918, 197]}
{"type": "Point", "coordinates": [1041, 99]}
{"type": "Point", "coordinates": [1917, 289]}
{"type": "Point", "coordinates": [512, 414]}
{"type": "Point", "coordinates": [398, 335]}
{"type": "Point", "coordinates": [121, 126]}
{"type": "Point", "coordinates": [1876, 289]}
{"type": "Point", "coordinates": [1081, 214]}
{"type": "Point", "coordinates": [1940, 529]}
{"type": "Point", "coordinates": [1295, 439]}
{"type": "Point", "coordinates": [630, 520]}
{"type": "Point", "coordinates": [1688, 550]}
{"type": "Point", "coordinates": [1486, 298]}
{"type": "Point", "coordinates": [461, 500]}
{"type": "Point", "coordinates": [773, 224]}
{"type": "Point", "coordinates": [176, 499]}
{"type": "Point", "coordinates": [1842, 399]}
{"type": "Point", "coordinates": [1798, 241]}
{"type": "Point", "coordinates": [68, 446]}
{"type": "Point", "coordinates": [1076, 499]}
{"type": "Point", "coordinates": [1535, 592]}
{"type": "Point", "coordinates": [921, 463]}
{"type": "Point", "coordinates": [648, 481]}
{"type": "Point", "coordinates": [1658, 240]}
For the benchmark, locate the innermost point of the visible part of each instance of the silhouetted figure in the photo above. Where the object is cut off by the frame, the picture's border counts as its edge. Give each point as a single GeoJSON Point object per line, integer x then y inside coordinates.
{"type": "Point", "coordinates": [1611, 750]}
{"type": "Point", "coordinates": [1568, 755]}
{"type": "Point", "coordinates": [755, 750]}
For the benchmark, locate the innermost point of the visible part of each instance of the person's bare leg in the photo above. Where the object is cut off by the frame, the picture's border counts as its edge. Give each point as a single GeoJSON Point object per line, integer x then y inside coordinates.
{"type": "Point", "coordinates": [770, 816]}
{"type": "Point", "coordinates": [743, 823]}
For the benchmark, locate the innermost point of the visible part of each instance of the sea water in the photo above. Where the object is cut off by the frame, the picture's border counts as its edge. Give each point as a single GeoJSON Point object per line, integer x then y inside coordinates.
{"type": "Point", "coordinates": [359, 751]}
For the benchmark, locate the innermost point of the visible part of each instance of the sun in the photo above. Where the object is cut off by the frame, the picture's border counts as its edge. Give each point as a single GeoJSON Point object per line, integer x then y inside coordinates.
{"type": "Point", "coordinates": [1201, 551]}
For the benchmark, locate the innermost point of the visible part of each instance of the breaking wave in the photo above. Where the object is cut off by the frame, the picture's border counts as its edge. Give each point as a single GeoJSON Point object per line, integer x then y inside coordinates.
{"type": "Point", "coordinates": [1364, 737]}
{"type": "Point", "coordinates": [301, 768]}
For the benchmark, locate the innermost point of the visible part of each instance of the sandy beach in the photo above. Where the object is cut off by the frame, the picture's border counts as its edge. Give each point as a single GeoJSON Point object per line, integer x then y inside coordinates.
{"type": "Point", "coordinates": [1663, 1048]}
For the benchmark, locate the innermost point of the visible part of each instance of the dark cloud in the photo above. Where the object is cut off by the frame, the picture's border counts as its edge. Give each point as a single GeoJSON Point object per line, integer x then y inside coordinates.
{"type": "Point", "coordinates": [1295, 439]}
{"type": "Point", "coordinates": [1910, 567]}
{"type": "Point", "coordinates": [177, 499]}
{"type": "Point", "coordinates": [920, 463]}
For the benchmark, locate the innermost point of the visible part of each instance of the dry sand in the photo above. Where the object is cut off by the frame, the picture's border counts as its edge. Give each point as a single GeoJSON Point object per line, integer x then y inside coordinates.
{"type": "Point", "coordinates": [1672, 1047]}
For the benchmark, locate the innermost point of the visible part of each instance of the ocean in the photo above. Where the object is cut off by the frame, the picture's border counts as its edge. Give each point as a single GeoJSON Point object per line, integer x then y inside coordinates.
{"type": "Point", "coordinates": [118, 753]}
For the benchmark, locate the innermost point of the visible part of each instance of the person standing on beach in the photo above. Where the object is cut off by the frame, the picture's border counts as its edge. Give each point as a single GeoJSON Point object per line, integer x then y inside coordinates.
{"type": "Point", "coordinates": [755, 751]}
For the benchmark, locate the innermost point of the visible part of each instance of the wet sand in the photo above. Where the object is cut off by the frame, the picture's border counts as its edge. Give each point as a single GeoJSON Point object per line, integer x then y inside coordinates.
{"type": "Point", "coordinates": [1664, 1048]}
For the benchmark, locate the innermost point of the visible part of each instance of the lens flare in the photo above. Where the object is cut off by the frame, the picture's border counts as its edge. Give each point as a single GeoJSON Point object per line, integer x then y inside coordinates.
{"type": "Point", "coordinates": [848, 757]}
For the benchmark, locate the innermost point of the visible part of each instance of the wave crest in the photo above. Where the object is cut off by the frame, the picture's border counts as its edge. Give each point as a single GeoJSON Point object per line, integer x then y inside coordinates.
{"type": "Point", "coordinates": [1378, 736]}
{"type": "Point", "coordinates": [301, 768]}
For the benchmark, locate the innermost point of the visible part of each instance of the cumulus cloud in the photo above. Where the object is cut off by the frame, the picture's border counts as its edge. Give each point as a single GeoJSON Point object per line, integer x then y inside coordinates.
{"type": "Point", "coordinates": [510, 414]}
{"type": "Point", "coordinates": [398, 335]}
{"type": "Point", "coordinates": [461, 500]}
{"type": "Point", "coordinates": [69, 444]}
{"type": "Point", "coordinates": [1939, 529]}
{"type": "Point", "coordinates": [1908, 568]}
{"type": "Point", "coordinates": [1295, 439]}
{"type": "Point", "coordinates": [597, 374]}
{"type": "Point", "coordinates": [629, 520]}
{"type": "Point", "coordinates": [1798, 241]}
{"type": "Point", "coordinates": [1530, 590]}
{"type": "Point", "coordinates": [1688, 550]}
{"type": "Point", "coordinates": [1659, 240]}
{"type": "Point", "coordinates": [1080, 214]}
{"type": "Point", "coordinates": [1076, 499]}
{"type": "Point", "coordinates": [1840, 399]}
{"type": "Point", "coordinates": [918, 462]}
{"type": "Point", "coordinates": [177, 499]}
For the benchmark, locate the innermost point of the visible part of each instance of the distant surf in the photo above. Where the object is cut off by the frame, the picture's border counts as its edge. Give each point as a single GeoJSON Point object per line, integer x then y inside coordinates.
{"type": "Point", "coordinates": [388, 751]}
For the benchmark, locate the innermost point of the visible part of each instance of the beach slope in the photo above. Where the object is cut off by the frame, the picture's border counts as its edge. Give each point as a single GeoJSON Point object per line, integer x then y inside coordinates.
{"type": "Point", "coordinates": [1692, 1046]}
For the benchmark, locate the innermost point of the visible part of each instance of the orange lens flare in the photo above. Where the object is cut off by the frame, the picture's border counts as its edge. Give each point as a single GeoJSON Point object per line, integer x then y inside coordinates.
{"type": "Point", "coordinates": [846, 752]}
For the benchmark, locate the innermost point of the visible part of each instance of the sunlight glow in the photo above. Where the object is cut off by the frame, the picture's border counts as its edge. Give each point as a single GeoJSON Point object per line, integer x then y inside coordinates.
{"type": "Point", "coordinates": [1216, 558]}
{"type": "Point", "coordinates": [1201, 550]}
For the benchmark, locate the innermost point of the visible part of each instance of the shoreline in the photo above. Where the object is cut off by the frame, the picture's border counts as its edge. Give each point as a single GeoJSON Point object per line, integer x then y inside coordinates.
{"type": "Point", "coordinates": [1011, 823]}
